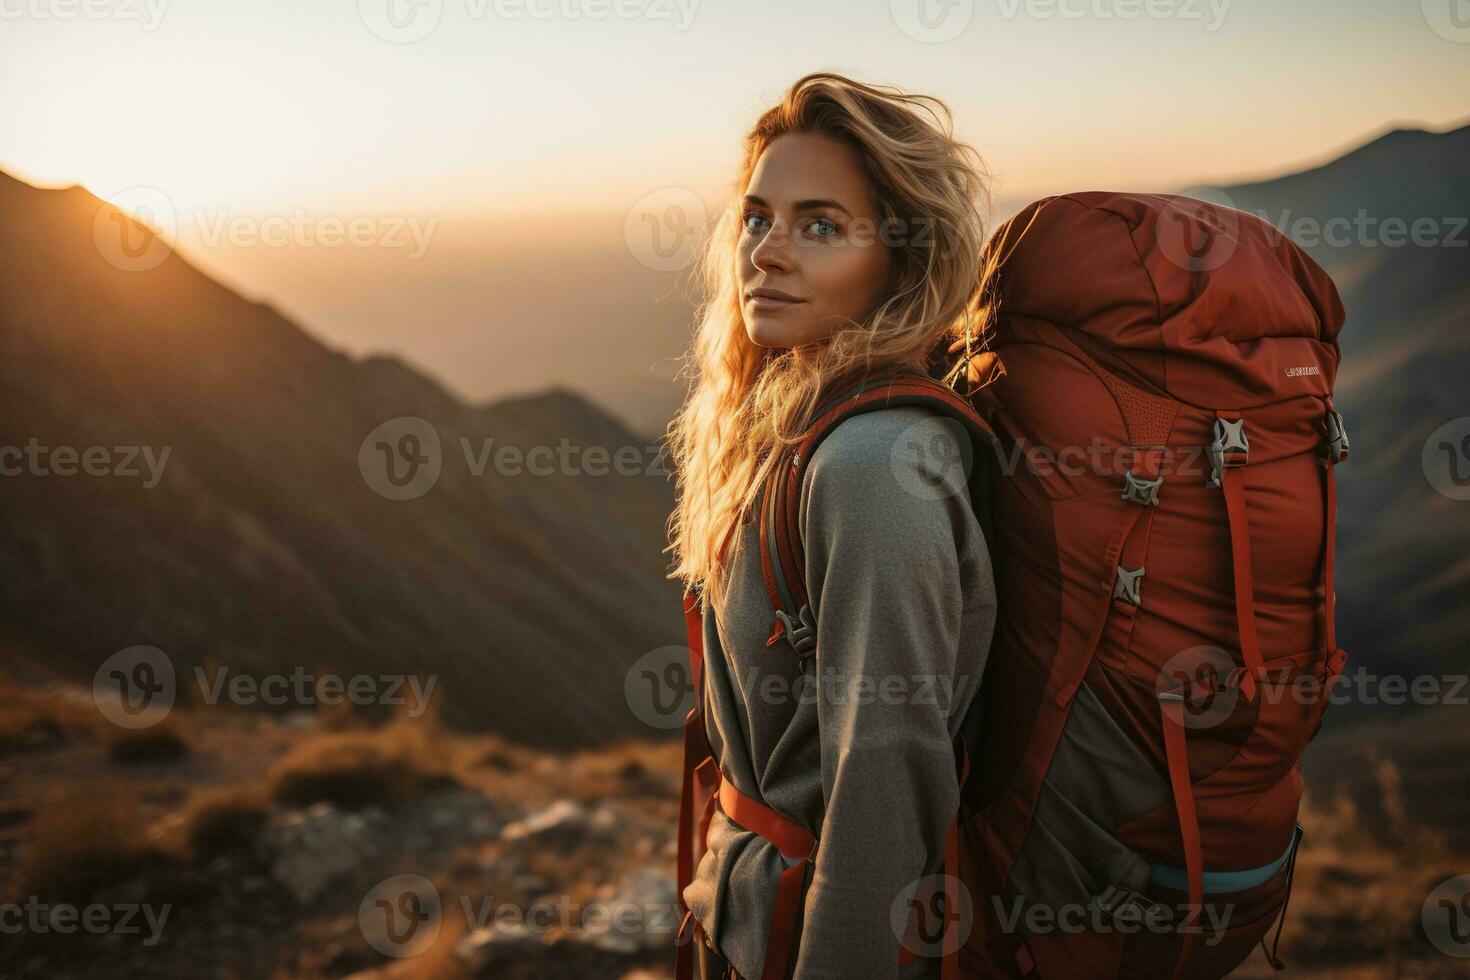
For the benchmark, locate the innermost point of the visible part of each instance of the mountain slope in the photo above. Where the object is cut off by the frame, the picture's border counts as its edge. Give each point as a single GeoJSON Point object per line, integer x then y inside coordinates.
{"type": "Point", "coordinates": [263, 545]}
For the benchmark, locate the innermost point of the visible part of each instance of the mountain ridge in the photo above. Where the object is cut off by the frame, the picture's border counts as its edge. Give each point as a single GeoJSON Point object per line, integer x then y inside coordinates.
{"type": "Point", "coordinates": [264, 545]}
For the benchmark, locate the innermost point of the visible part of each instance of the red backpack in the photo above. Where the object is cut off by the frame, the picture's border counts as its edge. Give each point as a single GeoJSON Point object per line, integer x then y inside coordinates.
{"type": "Point", "coordinates": [1154, 474]}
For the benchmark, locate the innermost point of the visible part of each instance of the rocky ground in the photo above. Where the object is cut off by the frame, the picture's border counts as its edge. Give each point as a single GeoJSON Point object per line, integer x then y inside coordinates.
{"type": "Point", "coordinates": [316, 846]}
{"type": "Point", "coordinates": [321, 846]}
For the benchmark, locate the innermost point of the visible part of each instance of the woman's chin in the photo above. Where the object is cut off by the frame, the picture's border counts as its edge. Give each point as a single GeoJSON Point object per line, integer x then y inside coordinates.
{"type": "Point", "coordinates": [767, 335]}
{"type": "Point", "coordinates": [772, 331]}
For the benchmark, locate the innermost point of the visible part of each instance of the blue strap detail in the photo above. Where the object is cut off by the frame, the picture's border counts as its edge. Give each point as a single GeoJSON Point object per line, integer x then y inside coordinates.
{"type": "Point", "coordinates": [1218, 881]}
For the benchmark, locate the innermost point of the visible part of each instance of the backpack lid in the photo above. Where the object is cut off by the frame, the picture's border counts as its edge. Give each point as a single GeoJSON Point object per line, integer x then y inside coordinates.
{"type": "Point", "coordinates": [1212, 305]}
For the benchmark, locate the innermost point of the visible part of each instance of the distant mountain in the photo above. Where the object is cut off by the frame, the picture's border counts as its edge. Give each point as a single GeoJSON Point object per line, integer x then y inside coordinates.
{"type": "Point", "coordinates": [1404, 567]}
{"type": "Point", "coordinates": [267, 541]}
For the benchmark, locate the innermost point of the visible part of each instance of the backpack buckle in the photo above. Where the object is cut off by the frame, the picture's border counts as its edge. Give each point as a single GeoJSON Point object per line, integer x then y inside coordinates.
{"type": "Point", "coordinates": [1126, 587]}
{"type": "Point", "coordinates": [1230, 447]}
{"type": "Point", "coordinates": [801, 633]}
{"type": "Point", "coordinates": [1337, 440]}
{"type": "Point", "coordinates": [1137, 490]}
{"type": "Point", "coordinates": [1130, 905]}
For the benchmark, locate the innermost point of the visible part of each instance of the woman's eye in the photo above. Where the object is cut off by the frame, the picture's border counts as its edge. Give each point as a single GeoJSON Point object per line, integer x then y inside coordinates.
{"type": "Point", "coordinates": [749, 219]}
{"type": "Point", "coordinates": [823, 227]}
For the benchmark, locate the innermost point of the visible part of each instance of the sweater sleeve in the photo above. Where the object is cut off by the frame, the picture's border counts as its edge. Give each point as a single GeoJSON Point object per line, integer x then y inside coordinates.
{"type": "Point", "coordinates": [889, 534]}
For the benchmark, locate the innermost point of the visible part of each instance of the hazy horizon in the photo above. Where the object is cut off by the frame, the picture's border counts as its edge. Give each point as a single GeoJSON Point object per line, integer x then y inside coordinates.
{"type": "Point", "coordinates": [498, 177]}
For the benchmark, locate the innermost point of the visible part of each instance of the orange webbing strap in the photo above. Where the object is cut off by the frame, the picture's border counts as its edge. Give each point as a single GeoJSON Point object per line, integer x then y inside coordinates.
{"type": "Point", "coordinates": [1176, 751]}
{"type": "Point", "coordinates": [904, 389]}
{"type": "Point", "coordinates": [1328, 553]}
{"type": "Point", "coordinates": [950, 965]}
{"type": "Point", "coordinates": [782, 554]}
{"type": "Point", "coordinates": [698, 764]}
{"type": "Point", "coordinates": [949, 969]}
{"type": "Point", "coordinates": [794, 842]}
{"type": "Point", "coordinates": [1232, 479]}
{"type": "Point", "coordinates": [1061, 686]}
{"type": "Point", "coordinates": [707, 776]}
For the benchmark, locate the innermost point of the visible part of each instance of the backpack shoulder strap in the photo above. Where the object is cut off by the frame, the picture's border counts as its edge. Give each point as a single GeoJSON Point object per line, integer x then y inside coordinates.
{"type": "Point", "coordinates": [783, 559]}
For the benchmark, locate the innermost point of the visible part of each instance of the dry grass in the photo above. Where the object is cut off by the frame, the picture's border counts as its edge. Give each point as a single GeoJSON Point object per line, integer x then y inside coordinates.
{"type": "Point", "coordinates": [398, 762]}
{"type": "Point", "coordinates": [225, 819]}
{"type": "Point", "coordinates": [37, 717]}
{"type": "Point", "coordinates": [1358, 892]}
{"type": "Point", "coordinates": [439, 961]}
{"type": "Point", "coordinates": [164, 742]}
{"type": "Point", "coordinates": [95, 840]}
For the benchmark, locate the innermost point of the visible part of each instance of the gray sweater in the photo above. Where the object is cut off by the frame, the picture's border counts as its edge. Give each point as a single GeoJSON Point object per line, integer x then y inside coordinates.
{"type": "Point", "coordinates": [859, 751]}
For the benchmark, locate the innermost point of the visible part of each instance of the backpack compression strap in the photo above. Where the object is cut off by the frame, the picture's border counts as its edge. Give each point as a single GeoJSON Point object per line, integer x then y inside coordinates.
{"type": "Point", "coordinates": [783, 559]}
{"type": "Point", "coordinates": [699, 782]}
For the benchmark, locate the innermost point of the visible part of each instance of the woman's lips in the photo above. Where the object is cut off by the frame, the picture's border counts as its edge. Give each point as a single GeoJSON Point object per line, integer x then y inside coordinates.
{"type": "Point", "coordinates": [772, 304]}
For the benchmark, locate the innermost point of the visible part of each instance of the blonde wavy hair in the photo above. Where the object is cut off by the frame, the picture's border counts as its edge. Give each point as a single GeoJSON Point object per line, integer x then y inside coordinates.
{"type": "Point", "coordinates": [745, 403]}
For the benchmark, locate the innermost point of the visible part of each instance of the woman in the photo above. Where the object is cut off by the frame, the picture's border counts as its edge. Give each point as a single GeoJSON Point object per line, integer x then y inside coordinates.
{"type": "Point", "coordinates": [855, 252]}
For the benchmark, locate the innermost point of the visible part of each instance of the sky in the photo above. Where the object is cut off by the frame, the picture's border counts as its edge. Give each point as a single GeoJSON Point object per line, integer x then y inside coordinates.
{"type": "Point", "coordinates": [500, 152]}
{"type": "Point", "coordinates": [566, 105]}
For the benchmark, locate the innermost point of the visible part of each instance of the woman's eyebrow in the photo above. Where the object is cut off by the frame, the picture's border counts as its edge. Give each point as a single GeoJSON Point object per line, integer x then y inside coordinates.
{"type": "Point", "coordinates": [810, 204]}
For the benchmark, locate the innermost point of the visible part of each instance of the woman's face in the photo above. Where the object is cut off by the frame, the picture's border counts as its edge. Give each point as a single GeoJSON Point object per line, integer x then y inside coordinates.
{"type": "Point", "coordinates": [811, 256]}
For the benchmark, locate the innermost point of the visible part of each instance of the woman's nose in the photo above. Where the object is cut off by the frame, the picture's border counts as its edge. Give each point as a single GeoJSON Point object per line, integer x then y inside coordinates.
{"type": "Point", "coordinates": [773, 251]}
